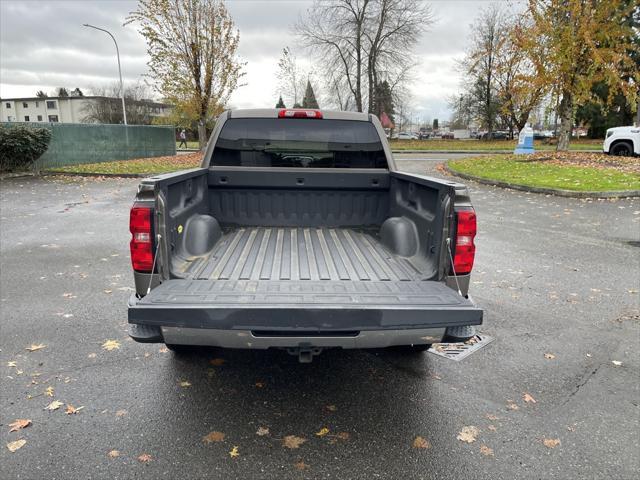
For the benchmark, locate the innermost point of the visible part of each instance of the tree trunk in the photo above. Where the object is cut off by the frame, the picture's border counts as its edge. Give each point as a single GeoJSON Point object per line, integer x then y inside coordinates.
{"type": "Point", "coordinates": [202, 134]}
{"type": "Point", "coordinates": [566, 121]}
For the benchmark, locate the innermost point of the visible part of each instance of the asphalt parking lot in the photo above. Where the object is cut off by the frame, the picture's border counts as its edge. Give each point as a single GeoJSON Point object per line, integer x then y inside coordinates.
{"type": "Point", "coordinates": [558, 279]}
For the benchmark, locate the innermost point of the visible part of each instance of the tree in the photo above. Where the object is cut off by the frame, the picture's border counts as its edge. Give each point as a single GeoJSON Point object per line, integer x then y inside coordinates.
{"type": "Point", "coordinates": [192, 46]}
{"type": "Point", "coordinates": [309, 99]}
{"type": "Point", "coordinates": [576, 44]}
{"type": "Point", "coordinates": [280, 103]}
{"type": "Point", "coordinates": [383, 101]}
{"type": "Point", "coordinates": [289, 76]}
{"type": "Point", "coordinates": [41, 94]}
{"type": "Point", "coordinates": [107, 106]}
{"type": "Point", "coordinates": [363, 42]}
{"type": "Point", "coordinates": [62, 92]}
{"type": "Point", "coordinates": [77, 93]}
{"type": "Point", "coordinates": [435, 124]}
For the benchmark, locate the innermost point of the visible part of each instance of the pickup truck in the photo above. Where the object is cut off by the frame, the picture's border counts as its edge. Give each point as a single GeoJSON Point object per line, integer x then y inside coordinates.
{"type": "Point", "coordinates": [299, 232]}
{"type": "Point", "coordinates": [622, 141]}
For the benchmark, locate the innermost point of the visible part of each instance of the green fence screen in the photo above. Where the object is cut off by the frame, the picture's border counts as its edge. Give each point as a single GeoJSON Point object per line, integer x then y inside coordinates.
{"type": "Point", "coordinates": [76, 143]}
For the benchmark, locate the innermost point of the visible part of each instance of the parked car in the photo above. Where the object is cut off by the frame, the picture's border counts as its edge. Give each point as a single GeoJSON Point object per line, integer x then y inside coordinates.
{"type": "Point", "coordinates": [497, 135]}
{"type": "Point", "coordinates": [622, 141]}
{"type": "Point", "coordinates": [299, 232]}
{"type": "Point", "coordinates": [405, 136]}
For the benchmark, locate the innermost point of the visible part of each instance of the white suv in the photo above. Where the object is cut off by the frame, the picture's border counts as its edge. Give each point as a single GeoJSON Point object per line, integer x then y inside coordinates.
{"type": "Point", "coordinates": [622, 141]}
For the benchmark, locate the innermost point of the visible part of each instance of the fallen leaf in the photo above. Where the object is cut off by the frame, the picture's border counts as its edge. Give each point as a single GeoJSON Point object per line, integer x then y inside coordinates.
{"type": "Point", "coordinates": [217, 362]}
{"type": "Point", "coordinates": [56, 404]}
{"type": "Point", "coordinates": [19, 424]}
{"type": "Point", "coordinates": [512, 406]}
{"type": "Point", "coordinates": [121, 413]}
{"type": "Point", "coordinates": [331, 408]}
{"type": "Point", "coordinates": [486, 451]}
{"type": "Point", "coordinates": [70, 410]}
{"type": "Point", "coordinates": [492, 417]}
{"type": "Point", "coordinates": [234, 452]}
{"type": "Point", "coordinates": [323, 431]}
{"type": "Point", "coordinates": [301, 465]}
{"type": "Point", "coordinates": [18, 444]}
{"type": "Point", "coordinates": [262, 431]}
{"type": "Point", "coordinates": [113, 454]}
{"type": "Point", "coordinates": [549, 356]}
{"type": "Point", "coordinates": [343, 435]}
{"type": "Point", "coordinates": [468, 434]}
{"type": "Point", "coordinates": [49, 392]}
{"type": "Point", "coordinates": [259, 384]}
{"type": "Point", "coordinates": [291, 441]}
{"type": "Point", "coordinates": [145, 458]}
{"type": "Point", "coordinates": [528, 398]}
{"type": "Point", "coordinates": [107, 291]}
{"type": "Point", "coordinates": [68, 295]}
{"type": "Point", "coordinates": [617, 363]}
{"type": "Point", "coordinates": [213, 437]}
{"type": "Point", "coordinates": [492, 428]}
{"type": "Point", "coordinates": [11, 364]}
{"type": "Point", "coordinates": [92, 355]}
{"type": "Point", "coordinates": [420, 442]}
{"type": "Point", "coordinates": [164, 350]}
{"type": "Point", "coordinates": [35, 347]}
{"type": "Point", "coordinates": [185, 384]}
{"type": "Point", "coordinates": [111, 345]}
{"type": "Point", "coordinates": [551, 442]}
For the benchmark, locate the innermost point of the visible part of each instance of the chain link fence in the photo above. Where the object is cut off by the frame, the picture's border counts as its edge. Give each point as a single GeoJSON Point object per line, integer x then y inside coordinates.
{"type": "Point", "coordinates": [76, 143]}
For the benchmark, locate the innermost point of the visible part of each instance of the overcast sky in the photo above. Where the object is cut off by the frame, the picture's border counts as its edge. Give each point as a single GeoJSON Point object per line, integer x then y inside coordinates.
{"type": "Point", "coordinates": [44, 46]}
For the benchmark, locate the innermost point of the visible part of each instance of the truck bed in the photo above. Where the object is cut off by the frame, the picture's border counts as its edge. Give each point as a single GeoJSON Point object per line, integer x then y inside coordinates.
{"type": "Point", "coordinates": [313, 254]}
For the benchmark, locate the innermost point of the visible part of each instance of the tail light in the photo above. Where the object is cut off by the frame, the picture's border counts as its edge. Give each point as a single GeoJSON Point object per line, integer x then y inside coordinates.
{"type": "Point", "coordinates": [465, 249]}
{"type": "Point", "coordinates": [141, 228]}
{"type": "Point", "coordinates": [299, 113]}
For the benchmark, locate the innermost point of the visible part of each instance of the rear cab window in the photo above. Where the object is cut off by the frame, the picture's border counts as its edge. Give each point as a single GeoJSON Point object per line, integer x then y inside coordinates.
{"type": "Point", "coordinates": [298, 143]}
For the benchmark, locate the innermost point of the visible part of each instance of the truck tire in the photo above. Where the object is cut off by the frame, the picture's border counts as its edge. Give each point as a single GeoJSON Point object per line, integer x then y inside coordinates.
{"type": "Point", "coordinates": [622, 149]}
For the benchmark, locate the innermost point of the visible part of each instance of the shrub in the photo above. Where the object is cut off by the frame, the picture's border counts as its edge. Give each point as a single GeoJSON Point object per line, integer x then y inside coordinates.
{"type": "Point", "coordinates": [21, 146]}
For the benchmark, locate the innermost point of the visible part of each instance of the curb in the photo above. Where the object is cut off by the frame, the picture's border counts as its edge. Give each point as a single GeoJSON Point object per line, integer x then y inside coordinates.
{"type": "Point", "coordinates": [47, 173]}
{"type": "Point", "coordinates": [483, 152]}
{"type": "Point", "coordinates": [8, 176]}
{"type": "Point", "coordinates": [547, 191]}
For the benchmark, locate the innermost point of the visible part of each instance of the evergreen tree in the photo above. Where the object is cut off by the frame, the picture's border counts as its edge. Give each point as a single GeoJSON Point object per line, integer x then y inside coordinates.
{"type": "Point", "coordinates": [280, 103]}
{"type": "Point", "coordinates": [41, 94]}
{"type": "Point", "coordinates": [77, 93]}
{"type": "Point", "coordinates": [309, 100]}
{"type": "Point", "coordinates": [435, 124]}
{"type": "Point", "coordinates": [383, 100]}
{"type": "Point", "coordinates": [62, 92]}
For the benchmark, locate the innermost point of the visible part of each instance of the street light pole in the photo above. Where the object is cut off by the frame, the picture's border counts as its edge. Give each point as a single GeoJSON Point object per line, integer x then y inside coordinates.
{"type": "Point", "coordinates": [124, 111]}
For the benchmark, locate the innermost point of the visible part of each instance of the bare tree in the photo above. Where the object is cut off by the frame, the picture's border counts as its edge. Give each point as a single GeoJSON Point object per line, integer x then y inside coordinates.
{"type": "Point", "coordinates": [290, 77]}
{"type": "Point", "coordinates": [105, 105]}
{"type": "Point", "coordinates": [192, 47]}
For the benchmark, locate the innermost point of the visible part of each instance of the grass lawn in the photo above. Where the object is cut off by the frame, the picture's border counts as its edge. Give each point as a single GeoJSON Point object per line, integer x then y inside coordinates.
{"type": "Point", "coordinates": [567, 171]}
{"type": "Point", "coordinates": [146, 166]}
{"type": "Point", "coordinates": [194, 145]}
{"type": "Point", "coordinates": [482, 145]}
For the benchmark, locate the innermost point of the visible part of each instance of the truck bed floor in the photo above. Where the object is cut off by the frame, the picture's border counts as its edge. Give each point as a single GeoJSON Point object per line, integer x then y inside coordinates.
{"type": "Point", "coordinates": [314, 254]}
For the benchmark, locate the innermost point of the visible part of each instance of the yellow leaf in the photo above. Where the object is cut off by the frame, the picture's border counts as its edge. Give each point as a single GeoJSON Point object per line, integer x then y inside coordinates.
{"type": "Point", "coordinates": [185, 384]}
{"type": "Point", "coordinates": [111, 345]}
{"type": "Point", "coordinates": [35, 347]}
{"type": "Point", "coordinates": [113, 454]}
{"type": "Point", "coordinates": [420, 442]}
{"type": "Point", "coordinates": [18, 444]}
{"type": "Point", "coordinates": [49, 392]}
{"type": "Point", "coordinates": [145, 458]}
{"type": "Point", "coordinates": [213, 437]}
{"type": "Point", "coordinates": [262, 431]}
{"type": "Point", "coordinates": [72, 410]}
{"type": "Point", "coordinates": [468, 434]}
{"type": "Point", "coordinates": [234, 452]}
{"type": "Point", "coordinates": [528, 398]}
{"type": "Point", "coordinates": [56, 404]}
{"type": "Point", "coordinates": [551, 442]}
{"type": "Point", "coordinates": [323, 431]}
{"type": "Point", "coordinates": [291, 441]}
{"type": "Point", "coordinates": [486, 451]}
{"type": "Point", "coordinates": [549, 356]}
{"type": "Point", "coordinates": [19, 424]}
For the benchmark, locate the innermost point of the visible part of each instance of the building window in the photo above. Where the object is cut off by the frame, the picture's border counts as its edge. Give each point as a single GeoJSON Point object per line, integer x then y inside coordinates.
{"type": "Point", "coordinates": [26, 118]}
{"type": "Point", "coordinates": [37, 104]}
{"type": "Point", "coordinates": [53, 118]}
{"type": "Point", "coordinates": [39, 118]}
{"type": "Point", "coordinates": [8, 105]}
{"type": "Point", "coordinates": [25, 105]}
{"type": "Point", "coordinates": [51, 104]}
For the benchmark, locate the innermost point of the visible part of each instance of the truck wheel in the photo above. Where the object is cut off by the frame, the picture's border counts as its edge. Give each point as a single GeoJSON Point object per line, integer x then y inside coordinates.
{"type": "Point", "coordinates": [622, 149]}
{"type": "Point", "coordinates": [180, 349]}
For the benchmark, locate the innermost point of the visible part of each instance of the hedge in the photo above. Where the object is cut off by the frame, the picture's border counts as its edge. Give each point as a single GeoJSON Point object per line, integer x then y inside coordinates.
{"type": "Point", "coordinates": [21, 146]}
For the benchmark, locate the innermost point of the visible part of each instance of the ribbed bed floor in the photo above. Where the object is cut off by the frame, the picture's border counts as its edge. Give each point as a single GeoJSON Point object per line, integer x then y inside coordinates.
{"type": "Point", "coordinates": [283, 253]}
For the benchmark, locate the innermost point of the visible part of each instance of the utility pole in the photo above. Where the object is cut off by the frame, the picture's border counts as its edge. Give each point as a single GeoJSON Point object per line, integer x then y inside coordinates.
{"type": "Point", "coordinates": [124, 111]}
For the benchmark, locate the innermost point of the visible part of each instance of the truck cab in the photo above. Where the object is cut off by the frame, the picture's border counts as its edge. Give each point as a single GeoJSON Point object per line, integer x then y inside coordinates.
{"type": "Point", "coordinates": [299, 232]}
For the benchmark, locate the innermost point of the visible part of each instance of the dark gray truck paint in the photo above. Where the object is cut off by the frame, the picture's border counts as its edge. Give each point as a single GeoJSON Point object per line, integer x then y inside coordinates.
{"type": "Point", "coordinates": [305, 254]}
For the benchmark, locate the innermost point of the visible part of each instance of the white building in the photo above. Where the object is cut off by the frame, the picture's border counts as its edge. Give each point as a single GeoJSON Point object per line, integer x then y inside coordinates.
{"type": "Point", "coordinates": [60, 109]}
